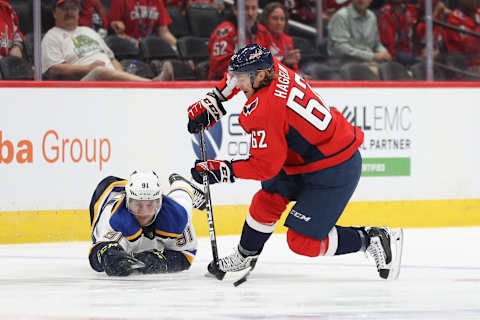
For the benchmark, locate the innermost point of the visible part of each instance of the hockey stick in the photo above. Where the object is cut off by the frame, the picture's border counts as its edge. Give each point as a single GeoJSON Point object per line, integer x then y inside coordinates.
{"type": "Point", "coordinates": [208, 200]}
{"type": "Point", "coordinates": [236, 277]}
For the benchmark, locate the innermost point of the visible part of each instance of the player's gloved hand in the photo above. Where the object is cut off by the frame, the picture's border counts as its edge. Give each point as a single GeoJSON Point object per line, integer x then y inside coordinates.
{"type": "Point", "coordinates": [154, 260]}
{"type": "Point", "coordinates": [116, 261]}
{"type": "Point", "coordinates": [204, 113]}
{"type": "Point", "coordinates": [217, 171]}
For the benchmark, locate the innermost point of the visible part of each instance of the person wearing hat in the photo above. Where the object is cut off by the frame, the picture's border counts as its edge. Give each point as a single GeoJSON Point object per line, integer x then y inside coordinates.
{"type": "Point", "coordinates": [78, 52]}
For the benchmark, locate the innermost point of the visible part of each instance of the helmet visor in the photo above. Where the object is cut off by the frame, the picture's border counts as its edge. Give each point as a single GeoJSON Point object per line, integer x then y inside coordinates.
{"type": "Point", "coordinates": [243, 78]}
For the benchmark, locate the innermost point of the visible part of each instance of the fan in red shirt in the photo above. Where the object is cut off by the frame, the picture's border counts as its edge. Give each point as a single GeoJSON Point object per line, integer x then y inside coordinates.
{"type": "Point", "coordinates": [135, 19]}
{"type": "Point", "coordinates": [440, 13]}
{"type": "Point", "coordinates": [467, 17]}
{"type": "Point", "coordinates": [93, 15]}
{"type": "Point", "coordinates": [301, 150]}
{"type": "Point", "coordinates": [274, 18]}
{"type": "Point", "coordinates": [224, 39]}
{"type": "Point", "coordinates": [11, 38]}
{"type": "Point", "coordinates": [395, 23]}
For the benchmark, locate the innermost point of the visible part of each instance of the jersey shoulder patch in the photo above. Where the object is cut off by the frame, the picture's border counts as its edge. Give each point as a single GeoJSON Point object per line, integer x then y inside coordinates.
{"type": "Point", "coordinates": [249, 108]}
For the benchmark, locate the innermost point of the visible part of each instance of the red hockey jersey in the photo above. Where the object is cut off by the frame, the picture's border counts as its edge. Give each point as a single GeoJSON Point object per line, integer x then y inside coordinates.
{"type": "Point", "coordinates": [140, 17]}
{"type": "Point", "coordinates": [9, 31]}
{"type": "Point", "coordinates": [292, 129]}
{"type": "Point", "coordinates": [464, 44]}
{"type": "Point", "coordinates": [223, 44]}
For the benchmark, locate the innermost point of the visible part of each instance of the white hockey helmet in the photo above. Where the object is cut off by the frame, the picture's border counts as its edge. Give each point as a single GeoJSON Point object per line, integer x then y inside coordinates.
{"type": "Point", "coordinates": [144, 185]}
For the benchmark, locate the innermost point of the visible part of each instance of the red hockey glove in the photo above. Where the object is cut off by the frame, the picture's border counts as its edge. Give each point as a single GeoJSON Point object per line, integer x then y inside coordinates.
{"type": "Point", "coordinates": [217, 171]}
{"type": "Point", "coordinates": [204, 113]}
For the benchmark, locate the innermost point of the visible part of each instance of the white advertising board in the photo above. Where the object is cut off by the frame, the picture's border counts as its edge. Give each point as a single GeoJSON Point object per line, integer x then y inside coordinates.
{"type": "Point", "coordinates": [57, 143]}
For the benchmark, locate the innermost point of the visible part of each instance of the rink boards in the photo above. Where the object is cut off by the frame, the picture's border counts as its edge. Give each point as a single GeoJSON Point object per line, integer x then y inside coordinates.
{"type": "Point", "coordinates": [420, 155]}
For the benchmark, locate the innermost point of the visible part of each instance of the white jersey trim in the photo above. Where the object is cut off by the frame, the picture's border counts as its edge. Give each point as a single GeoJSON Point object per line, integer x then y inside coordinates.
{"type": "Point", "coordinates": [254, 224]}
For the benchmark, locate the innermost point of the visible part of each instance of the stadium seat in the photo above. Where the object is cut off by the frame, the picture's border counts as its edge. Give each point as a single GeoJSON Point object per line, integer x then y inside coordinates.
{"type": "Point", "coordinates": [28, 47]}
{"type": "Point", "coordinates": [419, 73]}
{"type": "Point", "coordinates": [194, 48]}
{"type": "Point", "coordinates": [202, 20]}
{"type": "Point", "coordinates": [156, 48]}
{"type": "Point", "coordinates": [179, 26]}
{"type": "Point", "coordinates": [201, 70]}
{"type": "Point", "coordinates": [393, 71]}
{"type": "Point", "coordinates": [182, 70]}
{"type": "Point", "coordinates": [307, 49]}
{"type": "Point", "coordinates": [137, 67]}
{"type": "Point", "coordinates": [15, 68]}
{"type": "Point", "coordinates": [319, 71]}
{"type": "Point", "coordinates": [354, 71]}
{"type": "Point", "coordinates": [24, 11]}
{"type": "Point", "coordinates": [48, 21]}
{"type": "Point", "coordinates": [122, 48]}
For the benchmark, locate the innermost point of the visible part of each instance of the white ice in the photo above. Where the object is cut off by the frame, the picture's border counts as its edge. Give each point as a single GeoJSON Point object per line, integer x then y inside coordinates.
{"type": "Point", "coordinates": [439, 279]}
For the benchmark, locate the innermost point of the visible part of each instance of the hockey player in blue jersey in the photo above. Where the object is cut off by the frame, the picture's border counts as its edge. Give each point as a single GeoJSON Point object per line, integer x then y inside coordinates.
{"type": "Point", "coordinates": [135, 227]}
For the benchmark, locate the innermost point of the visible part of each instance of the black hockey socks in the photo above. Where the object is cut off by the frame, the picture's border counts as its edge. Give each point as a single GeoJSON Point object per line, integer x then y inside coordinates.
{"type": "Point", "coordinates": [351, 239]}
{"type": "Point", "coordinates": [252, 241]}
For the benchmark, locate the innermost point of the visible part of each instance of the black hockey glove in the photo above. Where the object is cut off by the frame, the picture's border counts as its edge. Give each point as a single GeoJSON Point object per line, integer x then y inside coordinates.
{"type": "Point", "coordinates": [154, 260]}
{"type": "Point", "coordinates": [217, 171]}
{"type": "Point", "coordinates": [204, 113]}
{"type": "Point", "coordinates": [116, 261]}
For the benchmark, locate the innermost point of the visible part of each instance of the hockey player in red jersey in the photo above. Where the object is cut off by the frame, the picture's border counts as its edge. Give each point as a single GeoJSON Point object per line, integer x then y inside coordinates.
{"type": "Point", "coordinates": [301, 151]}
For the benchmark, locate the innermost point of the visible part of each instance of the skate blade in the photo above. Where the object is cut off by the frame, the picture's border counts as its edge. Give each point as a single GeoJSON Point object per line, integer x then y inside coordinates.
{"type": "Point", "coordinates": [396, 242]}
{"type": "Point", "coordinates": [236, 278]}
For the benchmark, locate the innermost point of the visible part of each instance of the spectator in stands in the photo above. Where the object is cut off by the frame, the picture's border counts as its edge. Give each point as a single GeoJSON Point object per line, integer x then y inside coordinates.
{"type": "Point", "coordinates": [92, 15]}
{"type": "Point", "coordinates": [11, 38]}
{"type": "Point", "coordinates": [78, 52]}
{"type": "Point", "coordinates": [274, 18]}
{"type": "Point", "coordinates": [224, 39]}
{"type": "Point", "coordinates": [395, 23]}
{"type": "Point", "coordinates": [353, 35]}
{"type": "Point", "coordinates": [136, 19]}
{"type": "Point", "coordinates": [467, 47]}
{"type": "Point", "coordinates": [440, 13]}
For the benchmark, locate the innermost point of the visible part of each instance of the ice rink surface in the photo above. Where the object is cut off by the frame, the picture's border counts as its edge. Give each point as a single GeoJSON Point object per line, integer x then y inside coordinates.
{"type": "Point", "coordinates": [439, 279]}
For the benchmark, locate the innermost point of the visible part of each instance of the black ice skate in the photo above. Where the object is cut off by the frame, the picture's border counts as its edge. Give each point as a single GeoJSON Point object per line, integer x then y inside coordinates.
{"type": "Point", "coordinates": [385, 248]}
{"type": "Point", "coordinates": [199, 201]}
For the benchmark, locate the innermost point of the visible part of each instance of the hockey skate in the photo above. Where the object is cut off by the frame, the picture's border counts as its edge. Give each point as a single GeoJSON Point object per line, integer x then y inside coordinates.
{"type": "Point", "coordinates": [199, 200]}
{"type": "Point", "coordinates": [234, 268]}
{"type": "Point", "coordinates": [385, 248]}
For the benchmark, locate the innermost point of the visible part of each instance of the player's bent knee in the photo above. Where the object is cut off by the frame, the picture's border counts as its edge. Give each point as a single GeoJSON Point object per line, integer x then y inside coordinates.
{"type": "Point", "coordinates": [306, 246]}
{"type": "Point", "coordinates": [267, 207]}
